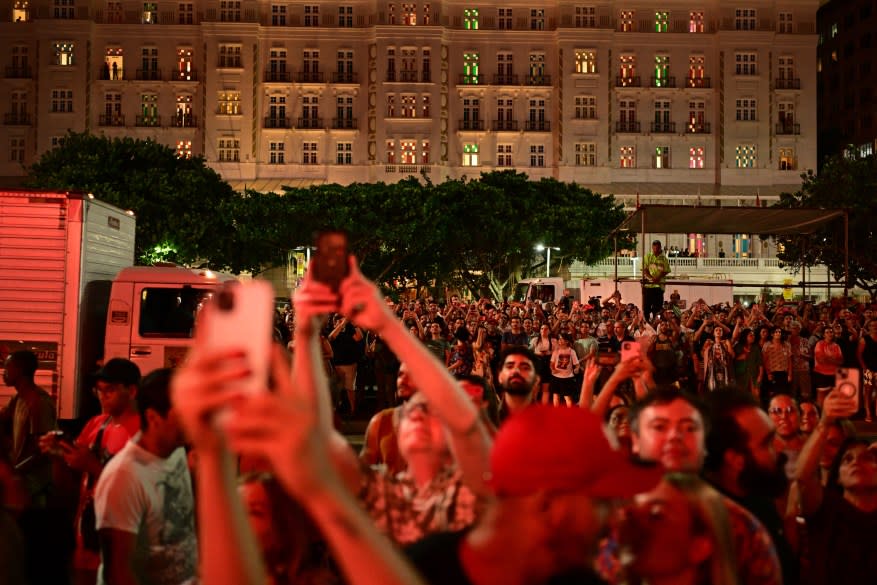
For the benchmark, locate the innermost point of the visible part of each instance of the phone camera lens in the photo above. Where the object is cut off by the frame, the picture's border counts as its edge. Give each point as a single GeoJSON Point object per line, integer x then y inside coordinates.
{"type": "Point", "coordinates": [847, 390]}
{"type": "Point", "coordinates": [225, 300]}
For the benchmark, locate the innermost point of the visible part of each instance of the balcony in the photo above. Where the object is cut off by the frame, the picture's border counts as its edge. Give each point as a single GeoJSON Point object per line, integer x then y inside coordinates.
{"type": "Point", "coordinates": [663, 82]}
{"type": "Point", "coordinates": [177, 75]}
{"type": "Point", "coordinates": [632, 81]}
{"type": "Point", "coordinates": [148, 121]}
{"type": "Point", "coordinates": [344, 77]}
{"type": "Point", "coordinates": [788, 129]}
{"type": "Point", "coordinates": [663, 127]}
{"type": "Point", "coordinates": [537, 126]}
{"type": "Point", "coordinates": [628, 127]}
{"type": "Point", "coordinates": [184, 121]}
{"type": "Point", "coordinates": [19, 72]}
{"type": "Point", "coordinates": [697, 128]}
{"type": "Point", "coordinates": [277, 122]}
{"type": "Point", "coordinates": [278, 76]}
{"type": "Point", "coordinates": [148, 75]}
{"type": "Point", "coordinates": [107, 74]}
{"type": "Point", "coordinates": [309, 77]}
{"type": "Point", "coordinates": [471, 79]}
{"type": "Point", "coordinates": [344, 124]}
{"type": "Point", "coordinates": [471, 125]}
{"type": "Point", "coordinates": [408, 76]}
{"type": "Point", "coordinates": [537, 80]}
{"type": "Point", "coordinates": [117, 120]}
{"type": "Point", "coordinates": [505, 80]}
{"type": "Point", "coordinates": [792, 83]}
{"type": "Point", "coordinates": [504, 125]}
{"type": "Point", "coordinates": [697, 82]}
{"type": "Point", "coordinates": [309, 124]}
{"type": "Point", "coordinates": [17, 119]}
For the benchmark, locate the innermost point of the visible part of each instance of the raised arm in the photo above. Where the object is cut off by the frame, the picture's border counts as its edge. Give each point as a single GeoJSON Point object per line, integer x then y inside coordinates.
{"type": "Point", "coordinates": [469, 437]}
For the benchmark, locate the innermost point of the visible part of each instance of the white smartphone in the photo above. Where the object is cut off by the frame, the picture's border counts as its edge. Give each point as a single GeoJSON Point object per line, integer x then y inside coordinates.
{"type": "Point", "coordinates": [242, 317]}
{"type": "Point", "coordinates": [847, 382]}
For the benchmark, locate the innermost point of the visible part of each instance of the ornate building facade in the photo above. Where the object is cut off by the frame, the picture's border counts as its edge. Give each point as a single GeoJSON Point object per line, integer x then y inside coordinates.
{"type": "Point", "coordinates": [672, 101]}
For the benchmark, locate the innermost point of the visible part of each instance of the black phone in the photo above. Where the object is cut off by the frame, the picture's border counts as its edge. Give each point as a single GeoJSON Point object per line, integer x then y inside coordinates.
{"type": "Point", "coordinates": [329, 265]}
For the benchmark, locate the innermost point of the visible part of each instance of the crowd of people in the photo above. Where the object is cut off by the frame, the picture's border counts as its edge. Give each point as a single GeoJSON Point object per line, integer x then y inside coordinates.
{"type": "Point", "coordinates": [520, 443]}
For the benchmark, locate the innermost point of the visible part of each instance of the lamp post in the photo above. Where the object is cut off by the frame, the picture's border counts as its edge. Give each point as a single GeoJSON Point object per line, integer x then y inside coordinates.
{"type": "Point", "coordinates": [547, 250]}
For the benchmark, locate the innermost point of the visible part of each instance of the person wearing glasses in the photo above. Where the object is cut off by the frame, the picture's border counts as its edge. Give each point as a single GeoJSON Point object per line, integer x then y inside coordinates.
{"type": "Point", "coordinates": [783, 411]}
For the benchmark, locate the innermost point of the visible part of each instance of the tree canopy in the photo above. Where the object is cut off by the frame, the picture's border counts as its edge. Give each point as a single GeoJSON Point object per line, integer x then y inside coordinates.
{"type": "Point", "coordinates": [182, 205]}
{"type": "Point", "coordinates": [845, 182]}
{"type": "Point", "coordinates": [479, 234]}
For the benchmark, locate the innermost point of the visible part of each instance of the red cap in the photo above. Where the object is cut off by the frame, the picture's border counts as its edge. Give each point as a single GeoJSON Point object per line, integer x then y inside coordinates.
{"type": "Point", "coordinates": [561, 450]}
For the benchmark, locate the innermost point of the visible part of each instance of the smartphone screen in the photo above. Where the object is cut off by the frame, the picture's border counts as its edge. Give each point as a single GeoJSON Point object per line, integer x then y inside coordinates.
{"type": "Point", "coordinates": [329, 265]}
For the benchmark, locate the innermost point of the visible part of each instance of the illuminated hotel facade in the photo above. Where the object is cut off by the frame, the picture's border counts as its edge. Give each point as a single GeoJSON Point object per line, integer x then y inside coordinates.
{"type": "Point", "coordinates": [713, 99]}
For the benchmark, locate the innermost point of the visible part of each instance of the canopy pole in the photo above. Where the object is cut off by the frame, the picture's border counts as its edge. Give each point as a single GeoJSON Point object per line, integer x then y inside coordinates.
{"type": "Point", "coordinates": [642, 245]}
{"type": "Point", "coordinates": [615, 245]}
{"type": "Point", "coordinates": [846, 251]}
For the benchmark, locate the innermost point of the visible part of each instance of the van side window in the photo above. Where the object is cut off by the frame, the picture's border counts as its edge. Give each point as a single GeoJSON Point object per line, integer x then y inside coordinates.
{"type": "Point", "coordinates": [170, 312]}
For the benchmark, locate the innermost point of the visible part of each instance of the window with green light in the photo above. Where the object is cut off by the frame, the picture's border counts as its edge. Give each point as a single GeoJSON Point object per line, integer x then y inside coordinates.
{"type": "Point", "coordinates": [470, 18]}
{"type": "Point", "coordinates": [662, 21]}
{"type": "Point", "coordinates": [662, 70]}
{"type": "Point", "coordinates": [470, 155]}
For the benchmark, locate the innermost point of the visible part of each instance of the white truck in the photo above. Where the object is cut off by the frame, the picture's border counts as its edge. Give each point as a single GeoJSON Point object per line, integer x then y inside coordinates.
{"type": "Point", "coordinates": [551, 290]}
{"type": "Point", "coordinates": [59, 255]}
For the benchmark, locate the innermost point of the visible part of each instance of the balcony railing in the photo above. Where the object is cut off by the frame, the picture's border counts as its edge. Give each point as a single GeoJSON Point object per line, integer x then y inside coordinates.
{"type": "Point", "coordinates": [344, 77]}
{"type": "Point", "coordinates": [697, 82]}
{"type": "Point", "coordinates": [788, 128]}
{"type": "Point", "coordinates": [107, 74]}
{"type": "Point", "coordinates": [505, 80]}
{"type": "Point", "coordinates": [309, 77]}
{"type": "Point", "coordinates": [184, 121]}
{"type": "Point", "coordinates": [277, 122]}
{"type": "Point", "coordinates": [344, 123]}
{"type": "Point", "coordinates": [471, 79]}
{"type": "Point", "coordinates": [148, 121]}
{"type": "Point", "coordinates": [309, 123]}
{"type": "Point", "coordinates": [664, 127]}
{"type": "Point", "coordinates": [627, 127]}
{"type": "Point", "coordinates": [177, 75]}
{"type": "Point", "coordinates": [632, 81]}
{"type": "Point", "coordinates": [278, 76]}
{"type": "Point", "coordinates": [504, 125]}
{"type": "Point", "coordinates": [792, 83]}
{"type": "Point", "coordinates": [697, 128]}
{"type": "Point", "coordinates": [19, 72]}
{"type": "Point", "coordinates": [112, 120]}
{"type": "Point", "coordinates": [149, 75]}
{"type": "Point", "coordinates": [663, 81]}
{"type": "Point", "coordinates": [537, 126]}
{"type": "Point", "coordinates": [537, 80]}
{"type": "Point", "coordinates": [471, 124]}
{"type": "Point", "coordinates": [17, 119]}
{"type": "Point", "coordinates": [408, 76]}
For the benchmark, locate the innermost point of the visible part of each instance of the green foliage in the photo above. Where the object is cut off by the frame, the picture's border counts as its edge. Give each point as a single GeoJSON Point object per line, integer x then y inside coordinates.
{"type": "Point", "coordinates": [479, 234]}
{"type": "Point", "coordinates": [845, 182]}
{"type": "Point", "coordinates": [182, 203]}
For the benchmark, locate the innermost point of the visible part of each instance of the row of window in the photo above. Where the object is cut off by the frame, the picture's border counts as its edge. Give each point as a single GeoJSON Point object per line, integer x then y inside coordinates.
{"type": "Point", "coordinates": [412, 14]}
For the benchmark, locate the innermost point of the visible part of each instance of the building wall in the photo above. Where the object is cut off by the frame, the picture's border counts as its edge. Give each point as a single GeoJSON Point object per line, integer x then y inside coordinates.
{"type": "Point", "coordinates": [249, 111]}
{"type": "Point", "coordinates": [846, 68]}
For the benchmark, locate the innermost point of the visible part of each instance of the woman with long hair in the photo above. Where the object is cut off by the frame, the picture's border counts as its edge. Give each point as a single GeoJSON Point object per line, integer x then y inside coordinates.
{"type": "Point", "coordinates": [543, 346]}
{"type": "Point", "coordinates": [679, 534]}
{"type": "Point", "coordinates": [718, 359]}
{"type": "Point", "coordinates": [748, 366]}
{"type": "Point", "coordinates": [777, 357]}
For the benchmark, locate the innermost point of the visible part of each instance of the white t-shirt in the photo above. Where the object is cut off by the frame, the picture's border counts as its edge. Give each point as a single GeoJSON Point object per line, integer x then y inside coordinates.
{"type": "Point", "coordinates": [151, 497]}
{"type": "Point", "coordinates": [565, 362]}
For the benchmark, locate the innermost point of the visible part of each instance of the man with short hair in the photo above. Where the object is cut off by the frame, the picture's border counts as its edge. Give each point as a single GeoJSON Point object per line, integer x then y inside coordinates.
{"type": "Point", "coordinates": [515, 336]}
{"type": "Point", "coordinates": [783, 411]}
{"type": "Point", "coordinates": [381, 445]}
{"type": "Point", "coordinates": [656, 267]}
{"type": "Point", "coordinates": [143, 500]}
{"type": "Point", "coordinates": [102, 437]}
{"type": "Point", "coordinates": [742, 463]}
{"type": "Point", "coordinates": [670, 427]}
{"type": "Point", "coordinates": [549, 508]}
{"type": "Point", "coordinates": [517, 379]}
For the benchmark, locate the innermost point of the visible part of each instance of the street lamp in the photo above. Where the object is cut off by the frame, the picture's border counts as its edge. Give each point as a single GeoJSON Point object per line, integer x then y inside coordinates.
{"type": "Point", "coordinates": [547, 250]}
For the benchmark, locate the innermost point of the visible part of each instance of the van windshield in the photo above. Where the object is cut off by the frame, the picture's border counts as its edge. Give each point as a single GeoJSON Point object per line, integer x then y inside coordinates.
{"type": "Point", "coordinates": [170, 312]}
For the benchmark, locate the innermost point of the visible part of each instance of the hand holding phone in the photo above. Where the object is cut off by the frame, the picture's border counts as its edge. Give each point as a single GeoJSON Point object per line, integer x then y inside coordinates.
{"type": "Point", "coordinates": [330, 263]}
